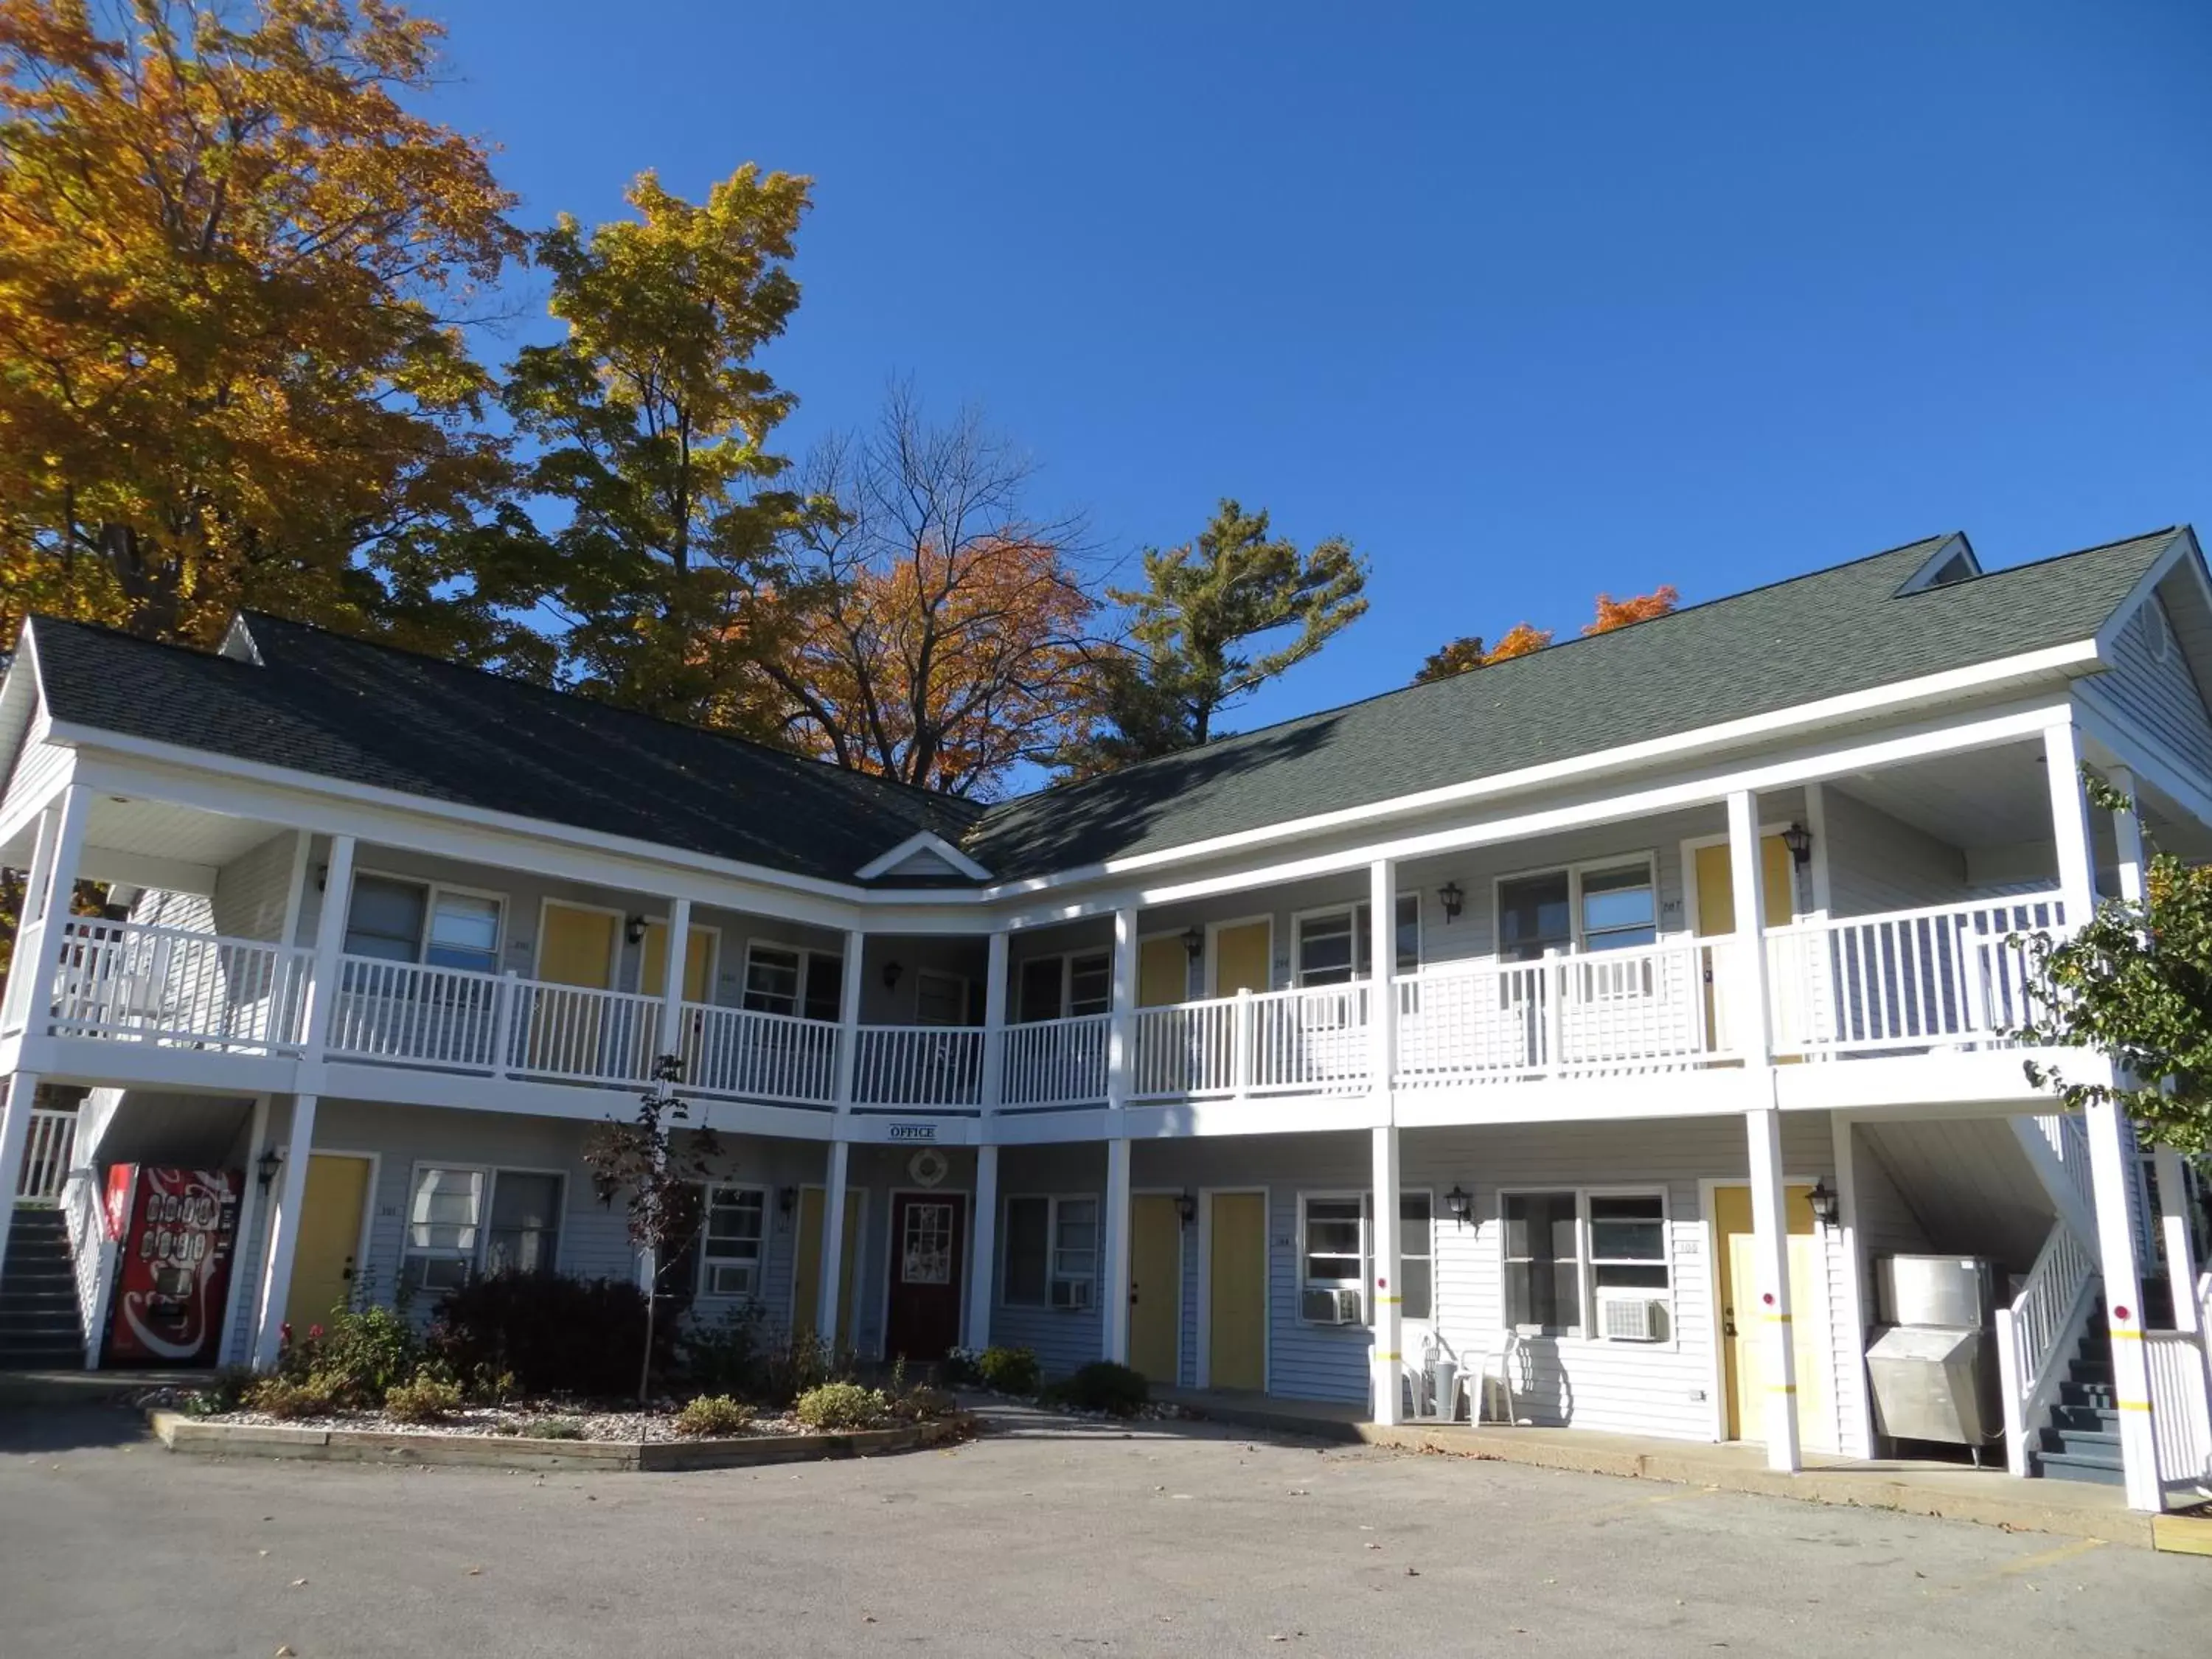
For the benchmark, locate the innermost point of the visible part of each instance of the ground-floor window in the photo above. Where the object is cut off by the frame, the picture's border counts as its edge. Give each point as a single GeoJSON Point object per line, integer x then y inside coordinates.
{"type": "Point", "coordinates": [1568, 1253]}
{"type": "Point", "coordinates": [735, 1234]}
{"type": "Point", "coordinates": [462, 1221]}
{"type": "Point", "coordinates": [1337, 1255]}
{"type": "Point", "coordinates": [1052, 1252]}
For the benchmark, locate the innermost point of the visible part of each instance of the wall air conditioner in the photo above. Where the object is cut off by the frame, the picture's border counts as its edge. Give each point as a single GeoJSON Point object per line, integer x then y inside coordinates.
{"type": "Point", "coordinates": [1632, 1318]}
{"type": "Point", "coordinates": [1074, 1293]}
{"type": "Point", "coordinates": [1331, 1308]}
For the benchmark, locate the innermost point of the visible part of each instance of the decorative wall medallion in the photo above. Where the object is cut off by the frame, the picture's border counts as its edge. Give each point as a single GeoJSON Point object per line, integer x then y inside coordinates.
{"type": "Point", "coordinates": [928, 1167]}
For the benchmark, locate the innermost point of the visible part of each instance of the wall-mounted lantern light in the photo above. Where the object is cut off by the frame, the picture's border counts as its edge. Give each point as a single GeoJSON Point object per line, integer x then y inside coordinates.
{"type": "Point", "coordinates": [1187, 1207]}
{"type": "Point", "coordinates": [1461, 1206]}
{"type": "Point", "coordinates": [1194, 943]}
{"type": "Point", "coordinates": [1799, 840]}
{"type": "Point", "coordinates": [891, 972]}
{"type": "Point", "coordinates": [1453, 899]}
{"type": "Point", "coordinates": [633, 930]}
{"type": "Point", "coordinates": [1827, 1206]}
{"type": "Point", "coordinates": [265, 1167]}
{"type": "Point", "coordinates": [786, 1199]}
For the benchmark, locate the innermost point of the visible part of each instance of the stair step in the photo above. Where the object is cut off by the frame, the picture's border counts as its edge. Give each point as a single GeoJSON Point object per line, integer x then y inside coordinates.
{"type": "Point", "coordinates": [2082, 1418]}
{"type": "Point", "coordinates": [2082, 1443]}
{"type": "Point", "coordinates": [2063, 1465]}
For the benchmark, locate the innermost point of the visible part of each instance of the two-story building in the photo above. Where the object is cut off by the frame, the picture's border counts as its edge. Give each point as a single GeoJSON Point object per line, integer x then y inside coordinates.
{"type": "Point", "coordinates": [1595, 1021]}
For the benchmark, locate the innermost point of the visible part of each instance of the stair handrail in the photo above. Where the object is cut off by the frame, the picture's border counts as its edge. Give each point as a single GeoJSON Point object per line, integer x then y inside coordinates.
{"type": "Point", "coordinates": [2036, 1333]}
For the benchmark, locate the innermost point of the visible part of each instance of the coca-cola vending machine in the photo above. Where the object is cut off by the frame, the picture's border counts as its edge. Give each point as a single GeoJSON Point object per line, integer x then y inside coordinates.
{"type": "Point", "coordinates": [176, 1231]}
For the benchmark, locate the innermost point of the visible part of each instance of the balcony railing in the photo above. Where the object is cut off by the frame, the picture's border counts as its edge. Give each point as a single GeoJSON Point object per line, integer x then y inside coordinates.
{"type": "Point", "coordinates": [1945, 978]}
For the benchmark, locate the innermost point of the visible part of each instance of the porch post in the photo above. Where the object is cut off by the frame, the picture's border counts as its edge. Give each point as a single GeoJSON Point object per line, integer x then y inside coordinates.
{"type": "Point", "coordinates": [1382, 990]}
{"type": "Point", "coordinates": [14, 1136]}
{"type": "Point", "coordinates": [2127, 836]}
{"type": "Point", "coordinates": [30, 929]}
{"type": "Point", "coordinates": [284, 1222]}
{"type": "Point", "coordinates": [330, 949]}
{"type": "Point", "coordinates": [1752, 1028]}
{"type": "Point", "coordinates": [2069, 821]}
{"type": "Point", "coordinates": [671, 989]}
{"type": "Point", "coordinates": [2180, 1248]}
{"type": "Point", "coordinates": [984, 1274]}
{"type": "Point", "coordinates": [833, 1241]}
{"type": "Point", "coordinates": [1113, 1222]}
{"type": "Point", "coordinates": [46, 898]}
{"type": "Point", "coordinates": [2111, 1149]}
{"type": "Point", "coordinates": [994, 1091]}
{"type": "Point", "coordinates": [1388, 1380]}
{"type": "Point", "coordinates": [249, 1212]}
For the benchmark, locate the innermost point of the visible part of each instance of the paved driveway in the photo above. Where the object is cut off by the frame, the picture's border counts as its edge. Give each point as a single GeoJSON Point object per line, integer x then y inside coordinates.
{"type": "Point", "coordinates": [1041, 1539]}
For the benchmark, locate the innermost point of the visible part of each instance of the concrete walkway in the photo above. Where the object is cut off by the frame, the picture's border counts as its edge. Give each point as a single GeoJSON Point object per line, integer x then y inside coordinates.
{"type": "Point", "coordinates": [2073, 1508]}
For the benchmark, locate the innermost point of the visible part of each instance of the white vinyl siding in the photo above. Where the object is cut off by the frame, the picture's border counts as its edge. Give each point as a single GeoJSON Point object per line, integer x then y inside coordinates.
{"type": "Point", "coordinates": [2151, 683]}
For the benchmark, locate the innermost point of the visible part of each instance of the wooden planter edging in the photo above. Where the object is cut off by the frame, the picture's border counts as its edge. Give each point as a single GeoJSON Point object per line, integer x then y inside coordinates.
{"type": "Point", "coordinates": [190, 1435]}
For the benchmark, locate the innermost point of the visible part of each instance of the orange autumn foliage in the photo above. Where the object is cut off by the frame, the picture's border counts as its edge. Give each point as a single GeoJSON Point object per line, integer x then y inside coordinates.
{"type": "Point", "coordinates": [1613, 613]}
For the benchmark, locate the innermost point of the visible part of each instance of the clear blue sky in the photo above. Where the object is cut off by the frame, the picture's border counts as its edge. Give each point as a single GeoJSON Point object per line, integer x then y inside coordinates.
{"type": "Point", "coordinates": [1528, 301]}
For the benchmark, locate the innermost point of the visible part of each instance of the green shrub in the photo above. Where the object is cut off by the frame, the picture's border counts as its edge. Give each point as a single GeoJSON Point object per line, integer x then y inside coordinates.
{"type": "Point", "coordinates": [548, 1333]}
{"type": "Point", "coordinates": [361, 1354]}
{"type": "Point", "coordinates": [921, 1405]}
{"type": "Point", "coordinates": [428, 1399]}
{"type": "Point", "coordinates": [726, 1355]}
{"type": "Point", "coordinates": [1103, 1386]}
{"type": "Point", "coordinates": [231, 1388]}
{"type": "Point", "coordinates": [842, 1406]}
{"type": "Point", "coordinates": [282, 1396]}
{"type": "Point", "coordinates": [1008, 1370]}
{"type": "Point", "coordinates": [799, 1367]}
{"type": "Point", "coordinates": [713, 1414]}
{"type": "Point", "coordinates": [557, 1428]}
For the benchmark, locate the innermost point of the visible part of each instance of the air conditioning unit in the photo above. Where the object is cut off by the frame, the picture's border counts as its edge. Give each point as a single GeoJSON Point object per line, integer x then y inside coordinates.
{"type": "Point", "coordinates": [1632, 1318]}
{"type": "Point", "coordinates": [1332, 1307]}
{"type": "Point", "coordinates": [729, 1279]}
{"type": "Point", "coordinates": [1071, 1293]}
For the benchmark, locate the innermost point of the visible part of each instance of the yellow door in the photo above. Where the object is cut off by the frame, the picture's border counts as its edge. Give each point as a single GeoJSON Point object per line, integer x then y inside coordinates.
{"type": "Point", "coordinates": [1743, 1326]}
{"type": "Point", "coordinates": [1237, 1288]}
{"type": "Point", "coordinates": [577, 947]}
{"type": "Point", "coordinates": [329, 1233]}
{"type": "Point", "coordinates": [806, 1280]}
{"type": "Point", "coordinates": [1155, 1284]}
{"type": "Point", "coordinates": [1717, 910]}
{"type": "Point", "coordinates": [1240, 958]}
{"type": "Point", "coordinates": [1162, 973]}
{"type": "Point", "coordinates": [698, 963]}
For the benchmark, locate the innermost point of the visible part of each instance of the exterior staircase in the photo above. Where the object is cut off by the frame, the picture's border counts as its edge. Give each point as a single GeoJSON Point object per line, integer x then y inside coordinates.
{"type": "Point", "coordinates": [38, 1296]}
{"type": "Point", "coordinates": [2079, 1438]}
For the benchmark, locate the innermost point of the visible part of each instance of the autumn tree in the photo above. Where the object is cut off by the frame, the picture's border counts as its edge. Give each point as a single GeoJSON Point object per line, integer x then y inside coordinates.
{"type": "Point", "coordinates": [233, 266]}
{"type": "Point", "coordinates": [1197, 627]}
{"type": "Point", "coordinates": [653, 424]}
{"type": "Point", "coordinates": [1467, 652]}
{"type": "Point", "coordinates": [938, 629]}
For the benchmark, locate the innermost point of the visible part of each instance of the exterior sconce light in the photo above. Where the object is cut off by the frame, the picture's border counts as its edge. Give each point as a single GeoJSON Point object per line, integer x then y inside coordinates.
{"type": "Point", "coordinates": [891, 972]}
{"type": "Point", "coordinates": [1193, 947]}
{"type": "Point", "coordinates": [1187, 1207]}
{"type": "Point", "coordinates": [786, 1199]}
{"type": "Point", "coordinates": [1827, 1206]}
{"type": "Point", "coordinates": [1453, 899]}
{"type": "Point", "coordinates": [265, 1167]}
{"type": "Point", "coordinates": [633, 930]}
{"type": "Point", "coordinates": [1799, 840]}
{"type": "Point", "coordinates": [322, 878]}
{"type": "Point", "coordinates": [1461, 1206]}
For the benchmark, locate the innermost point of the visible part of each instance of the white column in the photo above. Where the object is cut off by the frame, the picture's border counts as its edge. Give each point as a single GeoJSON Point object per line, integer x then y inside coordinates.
{"type": "Point", "coordinates": [31, 952]}
{"type": "Point", "coordinates": [1778, 1413]}
{"type": "Point", "coordinates": [1816, 825]}
{"type": "Point", "coordinates": [671, 989]}
{"type": "Point", "coordinates": [2070, 822]}
{"type": "Point", "coordinates": [1750, 1022]}
{"type": "Point", "coordinates": [249, 1214]}
{"type": "Point", "coordinates": [983, 1266]}
{"type": "Point", "coordinates": [848, 1024]}
{"type": "Point", "coordinates": [1387, 1364]}
{"type": "Point", "coordinates": [2127, 836]}
{"type": "Point", "coordinates": [2180, 1248]}
{"type": "Point", "coordinates": [833, 1242]}
{"type": "Point", "coordinates": [994, 1024]}
{"type": "Point", "coordinates": [14, 1136]}
{"type": "Point", "coordinates": [1115, 1245]}
{"type": "Point", "coordinates": [1382, 992]}
{"type": "Point", "coordinates": [330, 947]}
{"type": "Point", "coordinates": [47, 897]}
{"type": "Point", "coordinates": [2111, 1149]}
{"type": "Point", "coordinates": [1121, 1055]}
{"type": "Point", "coordinates": [284, 1222]}
{"type": "Point", "coordinates": [1859, 1423]}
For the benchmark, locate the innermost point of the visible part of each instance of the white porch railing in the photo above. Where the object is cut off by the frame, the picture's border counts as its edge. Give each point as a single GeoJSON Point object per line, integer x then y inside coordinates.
{"type": "Point", "coordinates": [1307, 1040]}
{"type": "Point", "coordinates": [2180, 1418]}
{"type": "Point", "coordinates": [1055, 1062]}
{"type": "Point", "coordinates": [1943, 977]}
{"type": "Point", "coordinates": [570, 1034]}
{"type": "Point", "coordinates": [46, 1157]}
{"type": "Point", "coordinates": [2037, 1334]}
{"type": "Point", "coordinates": [127, 982]}
{"type": "Point", "coordinates": [918, 1065]}
{"type": "Point", "coordinates": [93, 1251]}
{"type": "Point", "coordinates": [454, 1020]}
{"type": "Point", "coordinates": [758, 1056]}
{"type": "Point", "coordinates": [1191, 1050]}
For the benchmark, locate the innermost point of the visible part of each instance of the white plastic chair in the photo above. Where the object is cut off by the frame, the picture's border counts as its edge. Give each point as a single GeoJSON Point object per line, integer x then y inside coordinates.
{"type": "Point", "coordinates": [1501, 1364]}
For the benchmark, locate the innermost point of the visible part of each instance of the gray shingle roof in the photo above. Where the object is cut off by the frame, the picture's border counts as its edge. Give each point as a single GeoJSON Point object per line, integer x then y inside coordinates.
{"type": "Point", "coordinates": [343, 707]}
{"type": "Point", "coordinates": [1838, 630]}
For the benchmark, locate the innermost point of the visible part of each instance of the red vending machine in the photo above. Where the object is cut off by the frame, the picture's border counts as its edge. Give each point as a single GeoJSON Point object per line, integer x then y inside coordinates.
{"type": "Point", "coordinates": [175, 1230]}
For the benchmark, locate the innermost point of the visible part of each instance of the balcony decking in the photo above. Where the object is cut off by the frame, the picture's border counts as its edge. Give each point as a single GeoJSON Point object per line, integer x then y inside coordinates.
{"type": "Point", "coordinates": [1944, 979]}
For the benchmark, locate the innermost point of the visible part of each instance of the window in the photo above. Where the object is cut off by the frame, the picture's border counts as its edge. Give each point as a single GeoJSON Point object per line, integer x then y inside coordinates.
{"type": "Point", "coordinates": [443, 1218]}
{"type": "Point", "coordinates": [939, 998]}
{"type": "Point", "coordinates": [1063, 986]}
{"type": "Point", "coordinates": [1417, 1255]}
{"type": "Point", "coordinates": [1334, 946]}
{"type": "Point", "coordinates": [1543, 1264]}
{"type": "Point", "coordinates": [420, 921]}
{"type": "Point", "coordinates": [1534, 914]}
{"type": "Point", "coordinates": [525, 1235]}
{"type": "Point", "coordinates": [737, 1224]}
{"type": "Point", "coordinates": [1052, 1253]}
{"type": "Point", "coordinates": [786, 979]}
{"type": "Point", "coordinates": [1594, 907]}
{"type": "Point", "coordinates": [1566, 1251]}
{"type": "Point", "coordinates": [1619, 907]}
{"type": "Point", "coordinates": [1339, 1251]}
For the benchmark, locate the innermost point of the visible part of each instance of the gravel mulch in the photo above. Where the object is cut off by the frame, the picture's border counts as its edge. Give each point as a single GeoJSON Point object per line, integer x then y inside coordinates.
{"type": "Point", "coordinates": [522, 1421]}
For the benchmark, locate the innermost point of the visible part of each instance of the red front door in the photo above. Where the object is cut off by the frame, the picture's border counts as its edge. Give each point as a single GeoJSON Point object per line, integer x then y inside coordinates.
{"type": "Point", "coordinates": [928, 1231]}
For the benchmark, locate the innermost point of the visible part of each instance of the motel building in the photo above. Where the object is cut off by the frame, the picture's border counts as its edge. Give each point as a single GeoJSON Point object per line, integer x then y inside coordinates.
{"type": "Point", "coordinates": [1619, 1028]}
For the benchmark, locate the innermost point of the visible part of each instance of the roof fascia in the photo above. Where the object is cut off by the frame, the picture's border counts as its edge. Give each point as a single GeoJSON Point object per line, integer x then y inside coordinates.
{"type": "Point", "coordinates": [1953, 544]}
{"type": "Point", "coordinates": [2183, 543]}
{"type": "Point", "coordinates": [925, 841]}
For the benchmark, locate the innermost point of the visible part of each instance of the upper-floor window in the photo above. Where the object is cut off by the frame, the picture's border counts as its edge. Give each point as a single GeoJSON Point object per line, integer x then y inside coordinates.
{"type": "Point", "coordinates": [1053, 988]}
{"type": "Point", "coordinates": [1333, 945]}
{"type": "Point", "coordinates": [939, 998]}
{"type": "Point", "coordinates": [1598, 907]}
{"type": "Point", "coordinates": [788, 979]}
{"type": "Point", "coordinates": [423, 921]}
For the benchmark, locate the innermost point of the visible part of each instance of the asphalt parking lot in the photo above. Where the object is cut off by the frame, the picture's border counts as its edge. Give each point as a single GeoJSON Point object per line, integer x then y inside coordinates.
{"type": "Point", "coordinates": [1041, 1538]}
